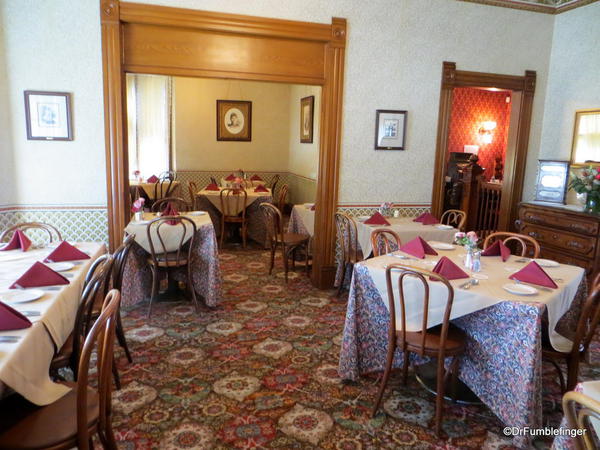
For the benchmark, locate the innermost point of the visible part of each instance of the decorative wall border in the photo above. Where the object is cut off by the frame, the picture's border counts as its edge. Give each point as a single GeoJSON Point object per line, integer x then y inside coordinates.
{"type": "Point", "coordinates": [558, 7]}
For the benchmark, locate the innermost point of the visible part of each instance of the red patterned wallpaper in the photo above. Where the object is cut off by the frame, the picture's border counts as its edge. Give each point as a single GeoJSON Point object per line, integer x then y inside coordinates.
{"type": "Point", "coordinates": [471, 107]}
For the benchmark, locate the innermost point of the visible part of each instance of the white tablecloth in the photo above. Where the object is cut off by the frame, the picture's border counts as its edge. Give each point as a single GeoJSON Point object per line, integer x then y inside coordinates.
{"type": "Point", "coordinates": [215, 198]}
{"type": "Point", "coordinates": [149, 188]}
{"type": "Point", "coordinates": [406, 229]}
{"type": "Point", "coordinates": [24, 365]}
{"type": "Point", "coordinates": [171, 234]}
{"type": "Point", "coordinates": [487, 293]}
{"type": "Point", "coordinates": [306, 216]}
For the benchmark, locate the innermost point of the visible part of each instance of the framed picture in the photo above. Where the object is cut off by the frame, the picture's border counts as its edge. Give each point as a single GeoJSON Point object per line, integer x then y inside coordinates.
{"type": "Point", "coordinates": [234, 120]}
{"type": "Point", "coordinates": [552, 181]}
{"type": "Point", "coordinates": [307, 107]}
{"type": "Point", "coordinates": [48, 116]}
{"type": "Point", "coordinates": [390, 128]}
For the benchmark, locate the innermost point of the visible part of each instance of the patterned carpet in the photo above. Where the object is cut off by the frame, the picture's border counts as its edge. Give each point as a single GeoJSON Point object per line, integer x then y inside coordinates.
{"type": "Point", "coordinates": [261, 372]}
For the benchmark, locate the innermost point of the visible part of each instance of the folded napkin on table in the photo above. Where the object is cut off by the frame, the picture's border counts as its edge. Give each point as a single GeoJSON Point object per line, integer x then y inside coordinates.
{"type": "Point", "coordinates": [152, 179]}
{"type": "Point", "coordinates": [260, 188]}
{"type": "Point", "coordinates": [448, 269]}
{"type": "Point", "coordinates": [376, 219]}
{"type": "Point", "coordinates": [497, 249]}
{"type": "Point", "coordinates": [426, 219]}
{"type": "Point", "coordinates": [312, 208]}
{"type": "Point", "coordinates": [11, 319]}
{"type": "Point", "coordinates": [418, 247]}
{"type": "Point", "coordinates": [39, 275]}
{"type": "Point", "coordinates": [19, 240]}
{"type": "Point", "coordinates": [170, 210]}
{"type": "Point", "coordinates": [534, 274]}
{"type": "Point", "coordinates": [66, 252]}
{"type": "Point", "coordinates": [212, 187]}
{"type": "Point", "coordinates": [230, 177]}
{"type": "Point", "coordinates": [255, 178]}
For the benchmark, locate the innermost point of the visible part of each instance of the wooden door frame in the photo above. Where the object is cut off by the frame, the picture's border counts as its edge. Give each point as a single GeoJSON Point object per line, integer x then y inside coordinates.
{"type": "Point", "coordinates": [514, 166]}
{"type": "Point", "coordinates": [118, 17]}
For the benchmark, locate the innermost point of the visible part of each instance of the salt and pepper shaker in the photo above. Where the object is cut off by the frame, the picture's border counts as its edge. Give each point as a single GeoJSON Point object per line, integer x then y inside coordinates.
{"type": "Point", "coordinates": [476, 264]}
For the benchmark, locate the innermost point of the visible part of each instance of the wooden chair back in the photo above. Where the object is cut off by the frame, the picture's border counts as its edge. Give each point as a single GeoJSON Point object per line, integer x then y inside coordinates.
{"type": "Point", "coordinates": [455, 218]}
{"type": "Point", "coordinates": [283, 192]}
{"type": "Point", "coordinates": [101, 338]}
{"type": "Point", "coordinates": [232, 201]}
{"type": "Point", "coordinates": [44, 228]}
{"type": "Point", "coordinates": [273, 222]}
{"type": "Point", "coordinates": [168, 175]}
{"type": "Point", "coordinates": [527, 243]}
{"type": "Point", "coordinates": [162, 188]}
{"type": "Point", "coordinates": [348, 237]}
{"type": "Point", "coordinates": [156, 232]}
{"type": "Point", "coordinates": [177, 202]}
{"type": "Point", "coordinates": [120, 258]}
{"type": "Point", "coordinates": [273, 183]}
{"type": "Point", "coordinates": [192, 190]}
{"type": "Point", "coordinates": [384, 240]}
{"type": "Point", "coordinates": [214, 180]}
{"type": "Point", "coordinates": [421, 275]}
{"type": "Point", "coordinates": [579, 409]}
{"type": "Point", "coordinates": [587, 322]}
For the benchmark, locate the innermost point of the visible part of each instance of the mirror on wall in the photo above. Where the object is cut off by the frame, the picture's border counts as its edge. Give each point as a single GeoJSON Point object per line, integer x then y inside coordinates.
{"type": "Point", "coordinates": [586, 137]}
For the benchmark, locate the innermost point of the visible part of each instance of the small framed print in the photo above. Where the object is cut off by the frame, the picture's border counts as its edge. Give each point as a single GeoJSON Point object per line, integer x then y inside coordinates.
{"type": "Point", "coordinates": [390, 129]}
{"type": "Point", "coordinates": [234, 120]}
{"type": "Point", "coordinates": [307, 106]}
{"type": "Point", "coordinates": [552, 179]}
{"type": "Point", "coordinates": [48, 116]}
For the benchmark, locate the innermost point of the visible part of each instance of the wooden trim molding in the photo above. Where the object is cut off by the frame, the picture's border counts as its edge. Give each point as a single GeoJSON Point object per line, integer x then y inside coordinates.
{"type": "Point", "coordinates": [162, 40]}
{"type": "Point", "coordinates": [534, 6]}
{"type": "Point", "coordinates": [514, 167]}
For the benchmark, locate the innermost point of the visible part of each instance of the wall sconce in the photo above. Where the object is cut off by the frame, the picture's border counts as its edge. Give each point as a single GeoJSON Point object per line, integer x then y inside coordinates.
{"type": "Point", "coordinates": [485, 131]}
{"type": "Point", "coordinates": [471, 149]}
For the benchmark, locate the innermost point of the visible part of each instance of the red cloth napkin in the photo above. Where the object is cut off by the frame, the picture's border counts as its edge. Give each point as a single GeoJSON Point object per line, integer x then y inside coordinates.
{"type": "Point", "coordinates": [497, 249]}
{"type": "Point", "coordinates": [426, 219]}
{"type": "Point", "coordinates": [152, 179]}
{"type": "Point", "coordinates": [255, 178]}
{"type": "Point", "coordinates": [418, 247]}
{"type": "Point", "coordinates": [212, 187]}
{"type": "Point", "coordinates": [19, 240]}
{"type": "Point", "coordinates": [376, 219]}
{"type": "Point", "coordinates": [66, 252]}
{"type": "Point", "coordinates": [261, 188]}
{"type": "Point", "coordinates": [170, 210]}
{"type": "Point", "coordinates": [448, 269]}
{"type": "Point", "coordinates": [11, 319]}
{"type": "Point", "coordinates": [230, 177]}
{"type": "Point", "coordinates": [312, 208]}
{"type": "Point", "coordinates": [39, 275]}
{"type": "Point", "coordinates": [534, 274]}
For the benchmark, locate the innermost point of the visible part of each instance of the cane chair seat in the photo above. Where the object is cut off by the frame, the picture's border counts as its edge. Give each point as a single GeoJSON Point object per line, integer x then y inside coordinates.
{"type": "Point", "coordinates": [455, 341]}
{"type": "Point", "coordinates": [169, 260]}
{"type": "Point", "coordinates": [295, 238]}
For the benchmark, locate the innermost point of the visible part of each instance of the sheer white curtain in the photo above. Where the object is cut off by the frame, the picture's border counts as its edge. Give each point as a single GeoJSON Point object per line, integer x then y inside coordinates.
{"type": "Point", "coordinates": [148, 123]}
{"type": "Point", "coordinates": [588, 138]}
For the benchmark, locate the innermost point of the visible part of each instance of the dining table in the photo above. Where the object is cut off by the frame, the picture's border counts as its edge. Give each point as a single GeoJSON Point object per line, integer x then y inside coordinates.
{"type": "Point", "coordinates": [247, 181]}
{"type": "Point", "coordinates": [206, 271]}
{"type": "Point", "coordinates": [502, 363]}
{"type": "Point", "coordinates": [26, 354]}
{"type": "Point", "coordinates": [210, 201]}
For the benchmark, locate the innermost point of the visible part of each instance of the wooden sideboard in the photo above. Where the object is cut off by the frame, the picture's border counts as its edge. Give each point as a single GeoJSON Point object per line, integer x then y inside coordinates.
{"type": "Point", "coordinates": [565, 234]}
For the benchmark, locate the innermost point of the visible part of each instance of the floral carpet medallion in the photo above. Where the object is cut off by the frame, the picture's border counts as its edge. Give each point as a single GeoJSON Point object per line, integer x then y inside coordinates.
{"type": "Point", "coordinates": [260, 371]}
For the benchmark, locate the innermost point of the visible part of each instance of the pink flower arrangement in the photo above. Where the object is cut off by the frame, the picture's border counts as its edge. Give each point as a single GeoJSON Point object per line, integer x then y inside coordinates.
{"type": "Point", "coordinates": [138, 205]}
{"type": "Point", "coordinates": [468, 240]}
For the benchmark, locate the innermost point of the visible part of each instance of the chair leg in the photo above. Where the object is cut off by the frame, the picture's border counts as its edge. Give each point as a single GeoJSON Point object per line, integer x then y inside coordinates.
{"type": "Point", "coordinates": [572, 372]}
{"type": "Point", "coordinates": [154, 289]}
{"type": "Point", "coordinates": [439, 399]}
{"type": "Point", "coordinates": [273, 250]}
{"type": "Point", "coordinates": [111, 443]}
{"type": "Point", "coordinates": [405, 363]}
{"type": "Point", "coordinates": [343, 277]}
{"type": "Point", "coordinates": [244, 233]}
{"type": "Point", "coordinates": [386, 377]}
{"type": "Point", "coordinates": [121, 337]}
{"type": "Point", "coordinates": [115, 372]}
{"type": "Point", "coordinates": [191, 288]}
{"type": "Point", "coordinates": [561, 378]}
{"type": "Point", "coordinates": [285, 261]}
{"type": "Point", "coordinates": [294, 259]}
{"type": "Point", "coordinates": [306, 260]}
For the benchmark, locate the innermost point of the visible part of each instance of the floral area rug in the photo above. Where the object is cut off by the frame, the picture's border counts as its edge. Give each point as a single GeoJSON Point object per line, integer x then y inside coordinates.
{"type": "Point", "coordinates": [260, 371]}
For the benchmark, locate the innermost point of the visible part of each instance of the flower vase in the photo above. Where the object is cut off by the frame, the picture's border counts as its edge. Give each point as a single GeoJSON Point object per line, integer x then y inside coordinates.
{"type": "Point", "coordinates": [138, 215]}
{"type": "Point", "coordinates": [469, 257]}
{"type": "Point", "coordinates": [592, 204]}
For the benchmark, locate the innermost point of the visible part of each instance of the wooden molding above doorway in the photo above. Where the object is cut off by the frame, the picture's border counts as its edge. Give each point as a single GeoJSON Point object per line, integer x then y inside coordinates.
{"type": "Point", "coordinates": [514, 166]}
{"type": "Point", "coordinates": [162, 40]}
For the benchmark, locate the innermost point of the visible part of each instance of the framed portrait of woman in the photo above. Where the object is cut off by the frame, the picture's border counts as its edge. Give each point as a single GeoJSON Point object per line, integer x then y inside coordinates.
{"type": "Point", "coordinates": [234, 120]}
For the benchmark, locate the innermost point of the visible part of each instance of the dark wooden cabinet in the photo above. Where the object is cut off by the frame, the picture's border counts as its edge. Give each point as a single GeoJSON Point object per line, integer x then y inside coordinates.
{"type": "Point", "coordinates": [564, 234]}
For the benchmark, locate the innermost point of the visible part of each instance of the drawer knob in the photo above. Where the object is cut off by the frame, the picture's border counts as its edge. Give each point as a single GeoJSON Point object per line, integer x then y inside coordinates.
{"type": "Point", "coordinates": [534, 234]}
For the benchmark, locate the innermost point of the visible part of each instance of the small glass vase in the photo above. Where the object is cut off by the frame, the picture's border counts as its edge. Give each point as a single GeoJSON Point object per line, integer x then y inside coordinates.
{"type": "Point", "coordinates": [592, 204]}
{"type": "Point", "coordinates": [469, 257]}
{"type": "Point", "coordinates": [138, 215]}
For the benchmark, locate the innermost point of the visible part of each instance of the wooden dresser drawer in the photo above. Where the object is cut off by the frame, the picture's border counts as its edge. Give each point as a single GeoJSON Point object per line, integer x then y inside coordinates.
{"type": "Point", "coordinates": [554, 220]}
{"type": "Point", "coordinates": [569, 242]}
{"type": "Point", "coordinates": [562, 258]}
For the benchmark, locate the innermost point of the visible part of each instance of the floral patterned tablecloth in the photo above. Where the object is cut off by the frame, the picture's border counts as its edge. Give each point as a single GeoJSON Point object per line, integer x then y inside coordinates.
{"type": "Point", "coordinates": [502, 363]}
{"type": "Point", "coordinates": [206, 272]}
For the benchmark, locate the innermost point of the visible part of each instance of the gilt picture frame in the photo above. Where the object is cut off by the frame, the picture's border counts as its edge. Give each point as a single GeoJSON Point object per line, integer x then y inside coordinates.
{"type": "Point", "coordinates": [48, 116]}
{"type": "Point", "coordinates": [390, 129]}
{"type": "Point", "coordinates": [307, 114]}
{"type": "Point", "coordinates": [234, 120]}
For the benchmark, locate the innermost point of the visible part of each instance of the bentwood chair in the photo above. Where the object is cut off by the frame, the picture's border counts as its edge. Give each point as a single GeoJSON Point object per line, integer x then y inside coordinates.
{"type": "Point", "coordinates": [192, 189]}
{"type": "Point", "coordinates": [384, 240]}
{"type": "Point", "coordinates": [527, 243]}
{"type": "Point", "coordinates": [579, 409]}
{"type": "Point", "coordinates": [213, 180]}
{"type": "Point", "coordinates": [283, 192]}
{"type": "Point", "coordinates": [173, 257]}
{"type": "Point", "coordinates": [75, 418]}
{"type": "Point", "coordinates": [273, 184]}
{"type": "Point", "coordinates": [44, 229]}
{"type": "Point", "coordinates": [442, 341]}
{"type": "Point", "coordinates": [163, 188]}
{"type": "Point", "coordinates": [347, 236]}
{"type": "Point", "coordinates": [584, 333]}
{"type": "Point", "coordinates": [233, 211]}
{"type": "Point", "coordinates": [289, 242]}
{"type": "Point", "coordinates": [455, 218]}
{"type": "Point", "coordinates": [177, 202]}
{"type": "Point", "coordinates": [168, 175]}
